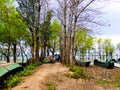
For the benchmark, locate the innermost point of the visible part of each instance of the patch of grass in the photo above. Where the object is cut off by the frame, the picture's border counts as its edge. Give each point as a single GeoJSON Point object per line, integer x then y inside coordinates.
{"type": "Point", "coordinates": [68, 75]}
{"type": "Point", "coordinates": [50, 86]}
{"type": "Point", "coordinates": [101, 81]}
{"type": "Point", "coordinates": [25, 72]}
{"type": "Point", "coordinates": [68, 65]}
{"type": "Point", "coordinates": [117, 79]}
{"type": "Point", "coordinates": [28, 70]}
{"type": "Point", "coordinates": [116, 83]}
{"type": "Point", "coordinates": [78, 72]}
{"type": "Point", "coordinates": [12, 81]}
{"type": "Point", "coordinates": [74, 68]}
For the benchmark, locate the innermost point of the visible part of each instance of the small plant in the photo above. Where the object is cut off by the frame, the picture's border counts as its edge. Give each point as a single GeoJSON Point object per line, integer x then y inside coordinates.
{"type": "Point", "coordinates": [68, 75]}
{"type": "Point", "coordinates": [74, 68]}
{"type": "Point", "coordinates": [68, 65]}
{"type": "Point", "coordinates": [12, 81]}
{"type": "Point", "coordinates": [117, 83]}
{"type": "Point", "coordinates": [28, 70]}
{"type": "Point", "coordinates": [25, 72]}
{"type": "Point", "coordinates": [78, 72]}
{"type": "Point", "coordinates": [100, 81]}
{"type": "Point", "coordinates": [37, 63]}
{"type": "Point", "coordinates": [50, 86]}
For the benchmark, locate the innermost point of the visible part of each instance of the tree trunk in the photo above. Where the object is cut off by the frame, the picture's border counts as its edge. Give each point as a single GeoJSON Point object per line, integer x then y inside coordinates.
{"type": "Point", "coordinates": [44, 49]}
{"type": "Point", "coordinates": [69, 48]}
{"type": "Point", "coordinates": [37, 45]}
{"type": "Point", "coordinates": [14, 51]}
{"type": "Point", "coordinates": [62, 47]}
{"type": "Point", "coordinates": [63, 34]}
{"type": "Point", "coordinates": [8, 53]}
{"type": "Point", "coordinates": [33, 47]}
{"type": "Point", "coordinates": [37, 29]}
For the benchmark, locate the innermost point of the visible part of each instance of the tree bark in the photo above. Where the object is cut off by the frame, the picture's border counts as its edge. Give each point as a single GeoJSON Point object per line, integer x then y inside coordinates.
{"type": "Point", "coordinates": [14, 51]}
{"type": "Point", "coordinates": [33, 47]}
{"type": "Point", "coordinates": [37, 45]}
{"type": "Point", "coordinates": [8, 53]}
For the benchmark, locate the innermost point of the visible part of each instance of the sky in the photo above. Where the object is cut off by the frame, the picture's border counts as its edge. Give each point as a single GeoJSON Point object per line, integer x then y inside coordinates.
{"type": "Point", "coordinates": [112, 16]}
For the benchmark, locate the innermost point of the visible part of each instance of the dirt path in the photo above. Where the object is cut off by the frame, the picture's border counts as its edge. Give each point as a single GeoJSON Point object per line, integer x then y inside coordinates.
{"type": "Point", "coordinates": [56, 74]}
{"type": "Point", "coordinates": [33, 82]}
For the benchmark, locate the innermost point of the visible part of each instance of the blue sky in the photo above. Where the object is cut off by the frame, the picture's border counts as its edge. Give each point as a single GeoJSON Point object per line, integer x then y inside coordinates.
{"type": "Point", "coordinates": [112, 15]}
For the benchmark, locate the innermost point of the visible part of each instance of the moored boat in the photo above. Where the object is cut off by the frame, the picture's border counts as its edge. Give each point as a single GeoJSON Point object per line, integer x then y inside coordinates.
{"type": "Point", "coordinates": [116, 63]}
{"type": "Point", "coordinates": [9, 69]}
{"type": "Point", "coordinates": [82, 63]}
{"type": "Point", "coordinates": [108, 65]}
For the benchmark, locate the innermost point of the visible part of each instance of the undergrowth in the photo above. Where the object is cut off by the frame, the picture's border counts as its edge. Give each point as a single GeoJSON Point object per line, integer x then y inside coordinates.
{"type": "Point", "coordinates": [78, 72]}
{"type": "Point", "coordinates": [14, 79]}
{"type": "Point", "coordinates": [50, 86]}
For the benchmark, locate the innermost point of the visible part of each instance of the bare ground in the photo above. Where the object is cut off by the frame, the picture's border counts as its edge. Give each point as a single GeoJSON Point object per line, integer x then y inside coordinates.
{"type": "Point", "coordinates": [56, 75]}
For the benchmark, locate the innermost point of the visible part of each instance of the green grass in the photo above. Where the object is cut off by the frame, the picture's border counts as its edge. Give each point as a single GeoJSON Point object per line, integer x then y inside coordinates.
{"type": "Point", "coordinates": [115, 82]}
{"type": "Point", "coordinates": [50, 86]}
{"type": "Point", "coordinates": [78, 72]}
{"type": "Point", "coordinates": [12, 81]}
{"type": "Point", "coordinates": [102, 82]}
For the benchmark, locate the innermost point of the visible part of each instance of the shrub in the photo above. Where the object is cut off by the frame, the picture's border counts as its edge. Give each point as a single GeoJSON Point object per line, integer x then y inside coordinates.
{"type": "Point", "coordinates": [68, 75]}
{"type": "Point", "coordinates": [68, 65]}
{"type": "Point", "coordinates": [74, 68]}
{"type": "Point", "coordinates": [12, 81]}
{"type": "Point", "coordinates": [78, 72]}
{"type": "Point", "coordinates": [28, 70]}
{"type": "Point", "coordinates": [25, 72]}
{"type": "Point", "coordinates": [37, 63]}
{"type": "Point", "coordinates": [117, 83]}
{"type": "Point", "coordinates": [50, 86]}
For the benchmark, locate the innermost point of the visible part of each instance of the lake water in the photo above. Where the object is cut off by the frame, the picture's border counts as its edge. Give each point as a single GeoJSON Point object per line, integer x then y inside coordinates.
{"type": "Point", "coordinates": [19, 59]}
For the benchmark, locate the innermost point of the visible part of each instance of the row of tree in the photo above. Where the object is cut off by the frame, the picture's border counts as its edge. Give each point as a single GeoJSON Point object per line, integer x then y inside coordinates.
{"type": "Point", "coordinates": [31, 21]}
{"type": "Point", "coordinates": [16, 28]}
{"type": "Point", "coordinates": [107, 48]}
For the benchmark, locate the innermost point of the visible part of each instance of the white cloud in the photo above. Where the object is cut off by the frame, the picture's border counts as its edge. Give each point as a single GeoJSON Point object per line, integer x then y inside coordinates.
{"type": "Point", "coordinates": [112, 15]}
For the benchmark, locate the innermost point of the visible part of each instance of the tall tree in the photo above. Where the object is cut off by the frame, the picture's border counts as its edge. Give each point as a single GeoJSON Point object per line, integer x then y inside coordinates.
{"type": "Point", "coordinates": [55, 28]}
{"type": "Point", "coordinates": [108, 47]}
{"type": "Point", "coordinates": [30, 11]}
{"type": "Point", "coordinates": [11, 27]}
{"type": "Point", "coordinates": [46, 34]}
{"type": "Point", "coordinates": [72, 14]}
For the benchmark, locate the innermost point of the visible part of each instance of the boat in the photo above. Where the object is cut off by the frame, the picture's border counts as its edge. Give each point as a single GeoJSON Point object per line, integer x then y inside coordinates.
{"type": "Point", "coordinates": [3, 71]}
{"type": "Point", "coordinates": [116, 63]}
{"type": "Point", "coordinates": [82, 63]}
{"type": "Point", "coordinates": [7, 70]}
{"type": "Point", "coordinates": [108, 65]}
